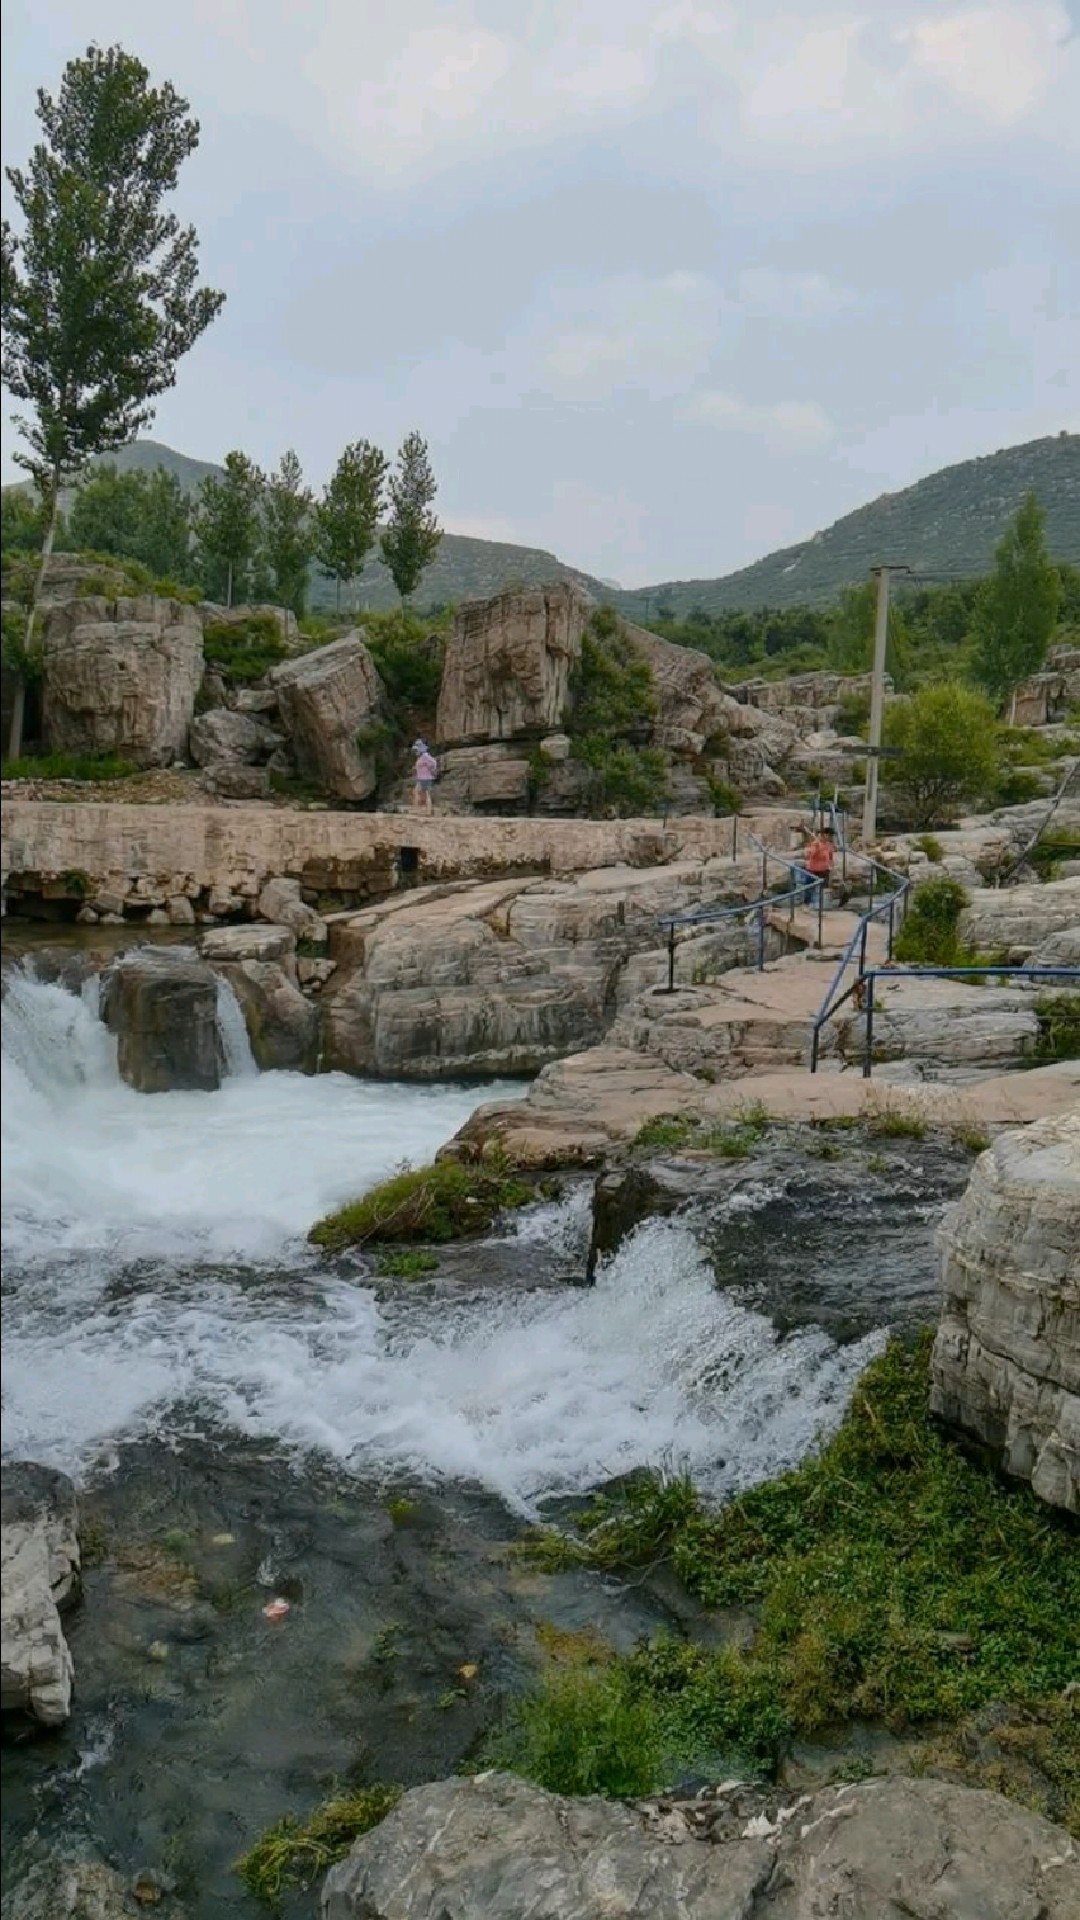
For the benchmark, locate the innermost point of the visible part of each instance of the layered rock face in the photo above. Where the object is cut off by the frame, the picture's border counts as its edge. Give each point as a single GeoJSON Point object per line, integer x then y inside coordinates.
{"type": "Point", "coordinates": [690, 703]}
{"type": "Point", "coordinates": [493, 978]}
{"type": "Point", "coordinates": [1047, 696]}
{"type": "Point", "coordinates": [40, 1577]}
{"type": "Point", "coordinates": [508, 664]}
{"type": "Point", "coordinates": [162, 1005]}
{"type": "Point", "coordinates": [259, 963]}
{"type": "Point", "coordinates": [1017, 920]}
{"type": "Point", "coordinates": [329, 700]}
{"type": "Point", "coordinates": [499, 1847]}
{"type": "Point", "coordinates": [121, 677]}
{"type": "Point", "coordinates": [1006, 1361]}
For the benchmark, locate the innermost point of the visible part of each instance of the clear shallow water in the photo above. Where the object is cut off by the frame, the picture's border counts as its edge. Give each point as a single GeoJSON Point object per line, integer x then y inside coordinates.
{"type": "Point", "coordinates": [157, 1281]}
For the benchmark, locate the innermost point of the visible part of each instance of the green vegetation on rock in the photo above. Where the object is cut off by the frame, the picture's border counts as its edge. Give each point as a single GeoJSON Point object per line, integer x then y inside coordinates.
{"type": "Point", "coordinates": [69, 766]}
{"type": "Point", "coordinates": [293, 1853]}
{"type": "Point", "coordinates": [609, 715]}
{"type": "Point", "coordinates": [447, 1201]}
{"type": "Point", "coordinates": [892, 1577]}
{"type": "Point", "coordinates": [243, 650]}
{"type": "Point", "coordinates": [1058, 1015]}
{"type": "Point", "coordinates": [928, 937]}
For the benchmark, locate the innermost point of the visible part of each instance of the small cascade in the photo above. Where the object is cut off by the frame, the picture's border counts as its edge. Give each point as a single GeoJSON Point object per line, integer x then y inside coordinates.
{"type": "Point", "coordinates": [235, 1044]}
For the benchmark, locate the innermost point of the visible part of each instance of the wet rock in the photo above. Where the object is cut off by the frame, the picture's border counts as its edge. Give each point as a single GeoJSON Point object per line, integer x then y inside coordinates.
{"type": "Point", "coordinates": [1006, 1362]}
{"type": "Point", "coordinates": [84, 1890]}
{"type": "Point", "coordinates": [499, 1847]}
{"type": "Point", "coordinates": [327, 700]}
{"type": "Point", "coordinates": [40, 1576]}
{"type": "Point", "coordinates": [121, 677]}
{"type": "Point", "coordinates": [508, 663]}
{"type": "Point", "coordinates": [162, 1005]}
{"type": "Point", "coordinates": [282, 1026]}
{"type": "Point", "coordinates": [251, 942]}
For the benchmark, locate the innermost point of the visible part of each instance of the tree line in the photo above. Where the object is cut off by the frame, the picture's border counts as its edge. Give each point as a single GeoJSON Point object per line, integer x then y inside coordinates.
{"type": "Point", "coordinates": [250, 536]}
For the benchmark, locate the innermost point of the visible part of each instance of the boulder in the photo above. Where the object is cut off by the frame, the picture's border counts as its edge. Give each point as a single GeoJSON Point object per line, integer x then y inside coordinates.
{"type": "Point", "coordinates": [499, 1847]}
{"type": "Point", "coordinates": [162, 1004]}
{"type": "Point", "coordinates": [283, 617]}
{"type": "Point", "coordinates": [282, 1026]}
{"type": "Point", "coordinates": [239, 783]}
{"type": "Point", "coordinates": [1006, 1360]}
{"type": "Point", "coordinates": [691, 706]}
{"type": "Point", "coordinates": [329, 701]}
{"type": "Point", "coordinates": [223, 738]}
{"type": "Point", "coordinates": [40, 1576]}
{"type": "Point", "coordinates": [281, 903]}
{"type": "Point", "coordinates": [252, 942]}
{"type": "Point", "coordinates": [121, 677]}
{"type": "Point", "coordinates": [484, 777]}
{"type": "Point", "coordinates": [85, 1890]}
{"type": "Point", "coordinates": [508, 662]}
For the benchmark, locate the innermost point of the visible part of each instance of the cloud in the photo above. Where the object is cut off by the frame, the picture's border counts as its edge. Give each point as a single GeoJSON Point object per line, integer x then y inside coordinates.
{"type": "Point", "coordinates": [786, 426]}
{"type": "Point", "coordinates": [997, 60]}
{"type": "Point", "coordinates": [773, 293]}
{"type": "Point", "coordinates": [652, 334]}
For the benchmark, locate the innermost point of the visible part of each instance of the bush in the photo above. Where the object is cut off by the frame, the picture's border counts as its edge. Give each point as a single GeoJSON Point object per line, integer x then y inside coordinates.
{"type": "Point", "coordinates": [446, 1201]}
{"type": "Point", "coordinates": [724, 798]}
{"type": "Point", "coordinates": [409, 658]}
{"type": "Point", "coordinates": [626, 780]}
{"type": "Point", "coordinates": [243, 650]}
{"type": "Point", "coordinates": [70, 766]}
{"type": "Point", "coordinates": [611, 690]}
{"type": "Point", "coordinates": [946, 740]}
{"type": "Point", "coordinates": [1058, 1015]}
{"type": "Point", "coordinates": [932, 848]}
{"type": "Point", "coordinates": [1015, 786]}
{"type": "Point", "coordinates": [928, 937]}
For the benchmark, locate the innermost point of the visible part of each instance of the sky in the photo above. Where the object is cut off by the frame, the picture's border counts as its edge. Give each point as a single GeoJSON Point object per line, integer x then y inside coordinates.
{"type": "Point", "coordinates": [665, 284]}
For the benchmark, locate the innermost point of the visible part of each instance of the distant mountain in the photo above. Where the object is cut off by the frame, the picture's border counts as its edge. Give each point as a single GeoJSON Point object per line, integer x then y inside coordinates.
{"type": "Point", "coordinates": [943, 526]}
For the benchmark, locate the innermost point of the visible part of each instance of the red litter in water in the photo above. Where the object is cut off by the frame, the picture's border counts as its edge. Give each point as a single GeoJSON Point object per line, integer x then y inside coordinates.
{"type": "Point", "coordinates": [276, 1609]}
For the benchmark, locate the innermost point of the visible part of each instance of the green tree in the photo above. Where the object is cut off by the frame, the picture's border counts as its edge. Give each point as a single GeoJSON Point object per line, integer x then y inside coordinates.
{"type": "Point", "coordinates": [411, 540]}
{"type": "Point", "coordinates": [228, 526]}
{"type": "Point", "coordinates": [165, 527]}
{"type": "Point", "coordinates": [1016, 610]}
{"type": "Point", "coordinates": [289, 533]}
{"type": "Point", "coordinates": [947, 750]}
{"type": "Point", "coordinates": [851, 633]}
{"type": "Point", "coordinates": [22, 523]}
{"type": "Point", "coordinates": [100, 299]}
{"type": "Point", "coordinates": [347, 516]}
{"type": "Point", "coordinates": [106, 513]}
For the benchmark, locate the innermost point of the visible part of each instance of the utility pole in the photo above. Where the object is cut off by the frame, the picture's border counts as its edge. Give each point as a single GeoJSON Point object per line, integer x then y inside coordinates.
{"type": "Point", "coordinates": [877, 703]}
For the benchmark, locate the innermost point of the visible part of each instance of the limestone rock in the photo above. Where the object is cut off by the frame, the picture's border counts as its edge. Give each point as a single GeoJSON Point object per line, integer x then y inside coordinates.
{"type": "Point", "coordinates": [252, 942]}
{"type": "Point", "coordinates": [508, 663]}
{"type": "Point", "coordinates": [224, 738]}
{"type": "Point", "coordinates": [239, 782]}
{"type": "Point", "coordinates": [1015, 920]}
{"type": "Point", "coordinates": [40, 1576]}
{"type": "Point", "coordinates": [283, 617]}
{"type": "Point", "coordinates": [121, 677]}
{"type": "Point", "coordinates": [282, 1026]}
{"type": "Point", "coordinates": [498, 1847]}
{"type": "Point", "coordinates": [162, 1005]}
{"type": "Point", "coordinates": [1006, 1361]}
{"type": "Point", "coordinates": [327, 700]}
{"type": "Point", "coordinates": [483, 777]}
{"type": "Point", "coordinates": [79, 1890]}
{"type": "Point", "coordinates": [281, 903]}
{"type": "Point", "coordinates": [691, 705]}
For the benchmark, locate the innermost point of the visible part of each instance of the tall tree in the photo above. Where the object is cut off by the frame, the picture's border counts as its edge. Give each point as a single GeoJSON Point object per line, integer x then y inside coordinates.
{"type": "Point", "coordinates": [165, 526]}
{"type": "Point", "coordinates": [228, 525]}
{"type": "Point", "coordinates": [100, 299]}
{"type": "Point", "coordinates": [289, 532]}
{"type": "Point", "coordinates": [412, 537]}
{"type": "Point", "coordinates": [106, 513]}
{"type": "Point", "coordinates": [1016, 610]}
{"type": "Point", "coordinates": [347, 516]}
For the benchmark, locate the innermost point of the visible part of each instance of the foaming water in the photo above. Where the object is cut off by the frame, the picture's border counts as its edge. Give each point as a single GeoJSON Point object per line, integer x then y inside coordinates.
{"type": "Point", "coordinates": [157, 1280]}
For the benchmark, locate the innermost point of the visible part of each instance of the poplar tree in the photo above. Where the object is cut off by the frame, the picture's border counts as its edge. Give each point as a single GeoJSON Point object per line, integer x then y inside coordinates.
{"type": "Point", "coordinates": [289, 532]}
{"type": "Point", "coordinates": [228, 524]}
{"type": "Point", "coordinates": [1016, 611]}
{"type": "Point", "coordinates": [412, 538]}
{"type": "Point", "coordinates": [347, 516]}
{"type": "Point", "coordinates": [99, 294]}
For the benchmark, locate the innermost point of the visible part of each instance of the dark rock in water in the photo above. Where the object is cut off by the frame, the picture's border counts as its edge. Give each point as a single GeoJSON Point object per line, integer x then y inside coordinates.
{"type": "Point", "coordinates": [40, 1576]}
{"type": "Point", "coordinates": [499, 1847]}
{"type": "Point", "coordinates": [626, 1196]}
{"type": "Point", "coordinates": [162, 1005]}
{"type": "Point", "coordinates": [282, 1026]}
{"type": "Point", "coordinates": [81, 1890]}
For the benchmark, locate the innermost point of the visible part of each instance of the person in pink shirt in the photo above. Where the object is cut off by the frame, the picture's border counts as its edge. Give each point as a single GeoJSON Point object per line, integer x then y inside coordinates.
{"type": "Point", "coordinates": [427, 772]}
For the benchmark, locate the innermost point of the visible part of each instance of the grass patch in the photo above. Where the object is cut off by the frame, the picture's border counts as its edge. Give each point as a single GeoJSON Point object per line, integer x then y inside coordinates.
{"type": "Point", "coordinates": [292, 1853]}
{"type": "Point", "coordinates": [891, 1577]}
{"type": "Point", "coordinates": [1050, 849]}
{"type": "Point", "coordinates": [446, 1201]}
{"type": "Point", "coordinates": [244, 650]}
{"type": "Point", "coordinates": [1058, 1015]}
{"type": "Point", "coordinates": [583, 1732]}
{"type": "Point", "coordinates": [932, 847]}
{"type": "Point", "coordinates": [407, 1263]}
{"type": "Point", "coordinates": [897, 1123]}
{"type": "Point", "coordinates": [728, 1139]}
{"type": "Point", "coordinates": [972, 1139]}
{"type": "Point", "coordinates": [69, 766]}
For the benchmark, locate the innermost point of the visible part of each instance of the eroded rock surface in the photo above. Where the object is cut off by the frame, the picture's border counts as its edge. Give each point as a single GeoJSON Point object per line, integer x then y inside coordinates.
{"type": "Point", "coordinates": [503, 1849]}
{"type": "Point", "coordinates": [120, 676]}
{"type": "Point", "coordinates": [1006, 1362]}
{"type": "Point", "coordinates": [508, 664]}
{"type": "Point", "coordinates": [40, 1577]}
{"type": "Point", "coordinates": [162, 1004]}
{"type": "Point", "coordinates": [330, 701]}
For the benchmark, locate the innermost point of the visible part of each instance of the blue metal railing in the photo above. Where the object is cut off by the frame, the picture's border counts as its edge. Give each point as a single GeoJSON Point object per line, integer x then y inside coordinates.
{"type": "Point", "coordinates": [742, 910]}
{"type": "Point", "coordinates": [868, 979]}
{"type": "Point", "coordinates": [889, 908]}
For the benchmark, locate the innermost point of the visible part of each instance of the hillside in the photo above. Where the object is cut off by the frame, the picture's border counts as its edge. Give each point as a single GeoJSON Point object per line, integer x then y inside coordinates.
{"type": "Point", "coordinates": [944, 526]}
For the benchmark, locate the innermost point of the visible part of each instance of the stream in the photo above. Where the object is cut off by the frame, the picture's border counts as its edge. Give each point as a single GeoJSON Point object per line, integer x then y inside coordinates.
{"type": "Point", "coordinates": [248, 1421]}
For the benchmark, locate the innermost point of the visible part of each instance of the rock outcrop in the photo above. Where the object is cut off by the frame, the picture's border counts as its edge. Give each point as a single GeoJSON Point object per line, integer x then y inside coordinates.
{"type": "Point", "coordinates": [162, 1004]}
{"type": "Point", "coordinates": [40, 1577]}
{"type": "Point", "coordinates": [1013, 921]}
{"type": "Point", "coordinates": [121, 677]}
{"type": "Point", "coordinates": [1048, 695]}
{"type": "Point", "coordinates": [690, 703]}
{"type": "Point", "coordinates": [222, 738]}
{"type": "Point", "coordinates": [1006, 1361]}
{"type": "Point", "coordinates": [86, 1890]}
{"type": "Point", "coordinates": [500, 1848]}
{"type": "Point", "coordinates": [508, 663]}
{"type": "Point", "coordinates": [330, 703]}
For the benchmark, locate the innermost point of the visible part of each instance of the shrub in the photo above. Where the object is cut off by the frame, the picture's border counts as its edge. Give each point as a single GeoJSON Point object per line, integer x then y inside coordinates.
{"type": "Point", "coordinates": [1015, 786]}
{"type": "Point", "coordinates": [293, 1852]}
{"type": "Point", "coordinates": [945, 736]}
{"type": "Point", "coordinates": [928, 937]}
{"type": "Point", "coordinates": [409, 658]}
{"type": "Point", "coordinates": [408, 1263]}
{"type": "Point", "coordinates": [243, 650]}
{"type": "Point", "coordinates": [1058, 1015]}
{"type": "Point", "coordinates": [69, 766]}
{"type": "Point", "coordinates": [932, 848]}
{"type": "Point", "coordinates": [446, 1201]}
{"type": "Point", "coordinates": [611, 689]}
{"type": "Point", "coordinates": [724, 798]}
{"type": "Point", "coordinates": [27, 661]}
{"type": "Point", "coordinates": [627, 780]}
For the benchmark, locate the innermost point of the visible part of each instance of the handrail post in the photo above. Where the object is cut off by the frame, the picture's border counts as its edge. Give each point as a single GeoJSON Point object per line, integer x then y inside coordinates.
{"type": "Point", "coordinates": [843, 846]}
{"type": "Point", "coordinates": [671, 958]}
{"type": "Point", "coordinates": [892, 906]}
{"type": "Point", "coordinates": [734, 836]}
{"type": "Point", "coordinates": [764, 869]}
{"type": "Point", "coordinates": [761, 936]}
{"type": "Point", "coordinates": [820, 914]}
{"type": "Point", "coordinates": [873, 877]}
{"type": "Point", "coordinates": [862, 948]}
{"type": "Point", "coordinates": [814, 1039]}
{"type": "Point", "coordinates": [868, 1044]}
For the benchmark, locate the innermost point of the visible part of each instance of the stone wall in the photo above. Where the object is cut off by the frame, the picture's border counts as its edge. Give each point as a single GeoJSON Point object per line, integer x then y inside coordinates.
{"type": "Point", "coordinates": [1006, 1363]}
{"type": "Point", "coordinates": [136, 857]}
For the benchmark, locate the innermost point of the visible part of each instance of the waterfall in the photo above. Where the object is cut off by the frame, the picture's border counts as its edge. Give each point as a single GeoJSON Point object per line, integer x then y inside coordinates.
{"type": "Point", "coordinates": [232, 1026]}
